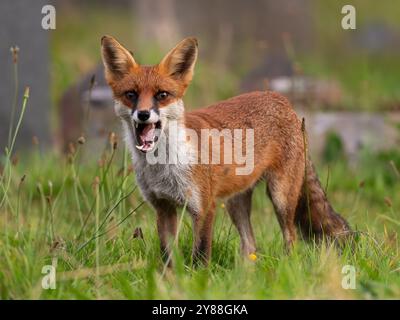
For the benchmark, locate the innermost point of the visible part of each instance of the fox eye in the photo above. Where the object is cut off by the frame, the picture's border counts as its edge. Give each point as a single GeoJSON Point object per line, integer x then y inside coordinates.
{"type": "Point", "coordinates": [131, 95]}
{"type": "Point", "coordinates": [161, 95]}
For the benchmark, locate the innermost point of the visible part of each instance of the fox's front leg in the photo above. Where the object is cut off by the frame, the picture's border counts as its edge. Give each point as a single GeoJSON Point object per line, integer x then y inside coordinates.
{"type": "Point", "coordinates": [203, 230]}
{"type": "Point", "coordinates": [166, 226]}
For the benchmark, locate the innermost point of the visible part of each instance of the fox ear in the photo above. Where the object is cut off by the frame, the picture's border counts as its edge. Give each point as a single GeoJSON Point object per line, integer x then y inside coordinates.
{"type": "Point", "coordinates": [117, 60]}
{"type": "Point", "coordinates": [179, 62]}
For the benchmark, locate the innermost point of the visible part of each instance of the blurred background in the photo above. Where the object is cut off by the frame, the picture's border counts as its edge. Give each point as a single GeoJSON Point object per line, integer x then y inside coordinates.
{"type": "Point", "coordinates": [67, 192]}
{"type": "Point", "coordinates": [345, 82]}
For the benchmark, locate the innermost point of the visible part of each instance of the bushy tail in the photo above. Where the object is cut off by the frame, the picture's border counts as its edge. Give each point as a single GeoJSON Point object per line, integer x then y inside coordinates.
{"type": "Point", "coordinates": [314, 214]}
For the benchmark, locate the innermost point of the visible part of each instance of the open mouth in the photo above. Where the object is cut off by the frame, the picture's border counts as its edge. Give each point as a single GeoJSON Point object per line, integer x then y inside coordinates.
{"type": "Point", "coordinates": [146, 135]}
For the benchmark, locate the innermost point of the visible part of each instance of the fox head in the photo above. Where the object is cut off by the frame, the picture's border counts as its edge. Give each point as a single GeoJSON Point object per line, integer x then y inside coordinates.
{"type": "Point", "coordinates": [147, 97]}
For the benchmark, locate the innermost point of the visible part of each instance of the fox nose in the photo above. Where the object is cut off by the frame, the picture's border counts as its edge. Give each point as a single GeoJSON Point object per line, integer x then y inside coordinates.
{"type": "Point", "coordinates": [143, 115]}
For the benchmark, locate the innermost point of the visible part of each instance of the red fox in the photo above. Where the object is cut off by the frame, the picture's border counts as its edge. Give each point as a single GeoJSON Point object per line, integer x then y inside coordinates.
{"type": "Point", "coordinates": [149, 98]}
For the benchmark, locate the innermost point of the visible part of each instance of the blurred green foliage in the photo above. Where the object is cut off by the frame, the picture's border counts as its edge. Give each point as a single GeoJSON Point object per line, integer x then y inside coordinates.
{"type": "Point", "coordinates": [369, 80]}
{"type": "Point", "coordinates": [333, 148]}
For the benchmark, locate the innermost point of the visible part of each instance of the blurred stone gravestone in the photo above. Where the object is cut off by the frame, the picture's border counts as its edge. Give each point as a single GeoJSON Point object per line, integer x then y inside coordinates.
{"type": "Point", "coordinates": [20, 25]}
{"type": "Point", "coordinates": [87, 109]}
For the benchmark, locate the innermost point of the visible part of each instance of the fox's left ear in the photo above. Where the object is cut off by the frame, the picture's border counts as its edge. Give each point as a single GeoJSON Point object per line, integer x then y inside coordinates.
{"type": "Point", "coordinates": [179, 62]}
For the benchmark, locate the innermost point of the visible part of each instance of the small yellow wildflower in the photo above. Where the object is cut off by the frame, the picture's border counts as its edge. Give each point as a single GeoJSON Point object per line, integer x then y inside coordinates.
{"type": "Point", "coordinates": [252, 257]}
{"type": "Point", "coordinates": [223, 205]}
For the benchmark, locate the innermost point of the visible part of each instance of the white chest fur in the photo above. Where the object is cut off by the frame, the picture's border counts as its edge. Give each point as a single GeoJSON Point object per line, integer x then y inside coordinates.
{"type": "Point", "coordinates": [170, 181]}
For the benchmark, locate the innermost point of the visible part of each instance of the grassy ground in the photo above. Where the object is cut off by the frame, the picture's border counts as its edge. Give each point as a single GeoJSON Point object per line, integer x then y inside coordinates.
{"type": "Point", "coordinates": [53, 207]}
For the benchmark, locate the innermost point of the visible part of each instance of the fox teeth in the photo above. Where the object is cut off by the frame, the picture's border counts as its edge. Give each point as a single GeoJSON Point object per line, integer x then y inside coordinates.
{"type": "Point", "coordinates": [136, 125]}
{"type": "Point", "coordinates": [142, 146]}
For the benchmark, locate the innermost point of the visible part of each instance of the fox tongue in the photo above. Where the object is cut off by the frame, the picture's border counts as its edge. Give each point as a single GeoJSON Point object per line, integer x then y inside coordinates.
{"type": "Point", "coordinates": [147, 134]}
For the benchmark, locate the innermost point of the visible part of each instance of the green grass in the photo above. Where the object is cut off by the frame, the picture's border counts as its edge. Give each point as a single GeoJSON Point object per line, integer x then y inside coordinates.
{"type": "Point", "coordinates": [45, 214]}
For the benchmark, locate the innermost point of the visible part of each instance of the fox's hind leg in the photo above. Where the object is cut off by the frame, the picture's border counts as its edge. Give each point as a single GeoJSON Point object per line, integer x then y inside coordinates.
{"type": "Point", "coordinates": [284, 190]}
{"type": "Point", "coordinates": [239, 209]}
